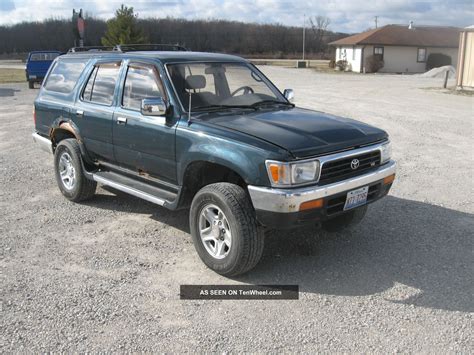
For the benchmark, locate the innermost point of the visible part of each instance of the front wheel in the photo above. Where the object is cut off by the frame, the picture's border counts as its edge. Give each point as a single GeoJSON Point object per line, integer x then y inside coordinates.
{"type": "Point", "coordinates": [31, 84]}
{"type": "Point", "coordinates": [224, 228]}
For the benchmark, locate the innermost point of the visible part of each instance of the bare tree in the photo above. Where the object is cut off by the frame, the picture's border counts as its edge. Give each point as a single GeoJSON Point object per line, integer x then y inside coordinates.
{"type": "Point", "coordinates": [320, 25]}
{"type": "Point", "coordinates": [249, 39]}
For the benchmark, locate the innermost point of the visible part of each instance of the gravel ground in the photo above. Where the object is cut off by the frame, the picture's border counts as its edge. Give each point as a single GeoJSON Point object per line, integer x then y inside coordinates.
{"type": "Point", "coordinates": [104, 275]}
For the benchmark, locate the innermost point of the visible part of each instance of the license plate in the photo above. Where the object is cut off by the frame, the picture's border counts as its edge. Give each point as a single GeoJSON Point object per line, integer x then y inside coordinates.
{"type": "Point", "coordinates": [32, 76]}
{"type": "Point", "coordinates": [356, 198]}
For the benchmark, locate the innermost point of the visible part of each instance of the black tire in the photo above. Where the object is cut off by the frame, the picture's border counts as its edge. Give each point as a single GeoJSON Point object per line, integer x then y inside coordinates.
{"type": "Point", "coordinates": [83, 188]}
{"type": "Point", "coordinates": [247, 236]}
{"type": "Point", "coordinates": [344, 221]}
{"type": "Point", "coordinates": [31, 84]}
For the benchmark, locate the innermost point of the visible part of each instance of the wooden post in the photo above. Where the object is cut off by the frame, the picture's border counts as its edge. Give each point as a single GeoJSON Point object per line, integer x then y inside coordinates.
{"type": "Point", "coordinates": [446, 79]}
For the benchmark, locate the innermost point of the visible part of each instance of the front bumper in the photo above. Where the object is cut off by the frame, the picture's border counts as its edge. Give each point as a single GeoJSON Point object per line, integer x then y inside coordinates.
{"type": "Point", "coordinates": [280, 208]}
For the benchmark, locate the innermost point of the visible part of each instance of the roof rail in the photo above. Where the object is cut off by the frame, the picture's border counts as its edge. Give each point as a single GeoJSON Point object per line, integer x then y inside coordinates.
{"type": "Point", "coordinates": [149, 47]}
{"type": "Point", "coordinates": [91, 49]}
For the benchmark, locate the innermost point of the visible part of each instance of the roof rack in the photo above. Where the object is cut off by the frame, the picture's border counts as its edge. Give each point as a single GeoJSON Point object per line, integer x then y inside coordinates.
{"type": "Point", "coordinates": [149, 47]}
{"type": "Point", "coordinates": [91, 49]}
{"type": "Point", "coordinates": [130, 48]}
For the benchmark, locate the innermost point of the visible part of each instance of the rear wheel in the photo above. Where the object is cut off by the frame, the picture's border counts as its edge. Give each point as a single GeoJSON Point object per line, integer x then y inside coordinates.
{"type": "Point", "coordinates": [70, 177]}
{"type": "Point", "coordinates": [224, 228]}
{"type": "Point", "coordinates": [345, 220]}
{"type": "Point", "coordinates": [31, 84]}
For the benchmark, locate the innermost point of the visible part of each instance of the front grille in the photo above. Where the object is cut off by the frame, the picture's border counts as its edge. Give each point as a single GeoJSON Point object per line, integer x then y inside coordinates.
{"type": "Point", "coordinates": [336, 204]}
{"type": "Point", "coordinates": [337, 170]}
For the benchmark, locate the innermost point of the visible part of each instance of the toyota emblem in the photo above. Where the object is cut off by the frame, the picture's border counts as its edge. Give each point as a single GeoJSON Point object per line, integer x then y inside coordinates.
{"type": "Point", "coordinates": [354, 164]}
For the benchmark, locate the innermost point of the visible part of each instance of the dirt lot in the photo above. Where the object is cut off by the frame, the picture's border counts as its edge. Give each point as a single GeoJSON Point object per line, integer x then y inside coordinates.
{"type": "Point", "coordinates": [105, 275]}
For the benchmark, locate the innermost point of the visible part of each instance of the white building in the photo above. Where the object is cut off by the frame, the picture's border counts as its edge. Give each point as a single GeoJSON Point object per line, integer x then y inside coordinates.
{"type": "Point", "coordinates": [403, 49]}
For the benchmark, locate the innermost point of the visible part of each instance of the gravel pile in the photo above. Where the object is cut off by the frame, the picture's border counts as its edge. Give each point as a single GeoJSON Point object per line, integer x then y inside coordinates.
{"type": "Point", "coordinates": [440, 72]}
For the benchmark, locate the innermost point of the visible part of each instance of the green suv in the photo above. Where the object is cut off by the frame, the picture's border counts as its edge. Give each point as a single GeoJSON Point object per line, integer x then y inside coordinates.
{"type": "Point", "coordinates": [209, 133]}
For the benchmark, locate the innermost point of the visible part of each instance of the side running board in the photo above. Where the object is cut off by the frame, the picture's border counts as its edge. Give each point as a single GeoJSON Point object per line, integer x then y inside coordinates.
{"type": "Point", "coordinates": [136, 188]}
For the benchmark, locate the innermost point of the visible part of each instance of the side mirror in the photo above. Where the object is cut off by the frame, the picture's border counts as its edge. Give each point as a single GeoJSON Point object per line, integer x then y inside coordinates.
{"type": "Point", "coordinates": [154, 107]}
{"type": "Point", "coordinates": [289, 94]}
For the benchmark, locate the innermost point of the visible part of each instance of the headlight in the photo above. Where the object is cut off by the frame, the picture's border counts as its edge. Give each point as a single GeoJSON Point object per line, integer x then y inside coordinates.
{"type": "Point", "coordinates": [386, 153]}
{"type": "Point", "coordinates": [288, 174]}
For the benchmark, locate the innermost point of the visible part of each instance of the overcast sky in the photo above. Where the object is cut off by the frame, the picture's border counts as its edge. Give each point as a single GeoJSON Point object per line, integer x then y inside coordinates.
{"type": "Point", "coordinates": [346, 15]}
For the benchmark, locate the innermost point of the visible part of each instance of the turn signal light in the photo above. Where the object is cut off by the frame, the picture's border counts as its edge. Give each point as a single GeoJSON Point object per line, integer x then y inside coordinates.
{"type": "Point", "coordinates": [275, 172]}
{"type": "Point", "coordinates": [308, 205]}
{"type": "Point", "coordinates": [389, 179]}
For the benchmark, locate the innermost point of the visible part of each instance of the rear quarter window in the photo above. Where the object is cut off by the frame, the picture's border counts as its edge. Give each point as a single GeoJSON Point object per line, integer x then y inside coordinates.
{"type": "Point", "coordinates": [64, 75]}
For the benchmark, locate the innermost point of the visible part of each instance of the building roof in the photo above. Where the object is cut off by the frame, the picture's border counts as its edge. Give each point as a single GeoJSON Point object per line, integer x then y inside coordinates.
{"type": "Point", "coordinates": [401, 35]}
{"type": "Point", "coordinates": [468, 29]}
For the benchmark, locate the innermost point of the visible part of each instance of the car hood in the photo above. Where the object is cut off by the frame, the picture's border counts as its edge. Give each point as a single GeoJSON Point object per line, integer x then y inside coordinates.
{"type": "Point", "coordinates": [302, 132]}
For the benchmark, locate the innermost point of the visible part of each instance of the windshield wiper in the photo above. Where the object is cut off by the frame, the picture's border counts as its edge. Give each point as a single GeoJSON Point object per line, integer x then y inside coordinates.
{"type": "Point", "coordinates": [221, 107]}
{"type": "Point", "coordinates": [272, 102]}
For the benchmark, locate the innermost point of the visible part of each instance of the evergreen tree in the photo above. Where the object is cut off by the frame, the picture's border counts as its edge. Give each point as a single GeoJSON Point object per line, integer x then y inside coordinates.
{"type": "Point", "coordinates": [122, 29]}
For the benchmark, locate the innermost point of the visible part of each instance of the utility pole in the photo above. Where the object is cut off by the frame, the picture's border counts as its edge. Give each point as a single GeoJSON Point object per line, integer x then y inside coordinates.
{"type": "Point", "coordinates": [304, 32]}
{"type": "Point", "coordinates": [78, 27]}
{"type": "Point", "coordinates": [376, 21]}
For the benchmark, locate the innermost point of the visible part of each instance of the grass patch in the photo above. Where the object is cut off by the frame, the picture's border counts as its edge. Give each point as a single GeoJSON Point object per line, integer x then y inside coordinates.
{"type": "Point", "coordinates": [450, 90]}
{"type": "Point", "coordinates": [327, 70]}
{"type": "Point", "coordinates": [12, 75]}
{"type": "Point", "coordinates": [462, 92]}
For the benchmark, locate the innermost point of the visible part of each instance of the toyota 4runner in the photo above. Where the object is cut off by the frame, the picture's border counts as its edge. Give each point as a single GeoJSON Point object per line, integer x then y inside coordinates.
{"type": "Point", "coordinates": [211, 133]}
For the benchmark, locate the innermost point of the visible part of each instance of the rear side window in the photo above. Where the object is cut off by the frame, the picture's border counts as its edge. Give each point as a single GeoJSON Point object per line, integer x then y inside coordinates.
{"type": "Point", "coordinates": [140, 83]}
{"type": "Point", "coordinates": [101, 84]}
{"type": "Point", "coordinates": [64, 75]}
{"type": "Point", "coordinates": [36, 57]}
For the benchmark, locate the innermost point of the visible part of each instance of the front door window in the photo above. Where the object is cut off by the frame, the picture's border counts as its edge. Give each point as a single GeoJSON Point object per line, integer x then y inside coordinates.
{"type": "Point", "coordinates": [141, 83]}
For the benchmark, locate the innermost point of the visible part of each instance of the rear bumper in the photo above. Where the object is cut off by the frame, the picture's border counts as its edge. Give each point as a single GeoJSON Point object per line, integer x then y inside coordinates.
{"type": "Point", "coordinates": [43, 142]}
{"type": "Point", "coordinates": [280, 208]}
{"type": "Point", "coordinates": [34, 77]}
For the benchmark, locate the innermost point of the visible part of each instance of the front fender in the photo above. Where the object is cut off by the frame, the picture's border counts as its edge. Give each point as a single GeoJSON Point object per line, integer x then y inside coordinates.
{"type": "Point", "coordinates": [245, 159]}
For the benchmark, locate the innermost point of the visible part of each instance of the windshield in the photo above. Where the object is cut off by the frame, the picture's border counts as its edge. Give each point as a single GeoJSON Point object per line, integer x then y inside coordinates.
{"type": "Point", "coordinates": [221, 85]}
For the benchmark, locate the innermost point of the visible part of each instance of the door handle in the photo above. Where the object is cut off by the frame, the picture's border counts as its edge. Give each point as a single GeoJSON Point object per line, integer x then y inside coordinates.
{"type": "Point", "coordinates": [79, 113]}
{"type": "Point", "coordinates": [121, 120]}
